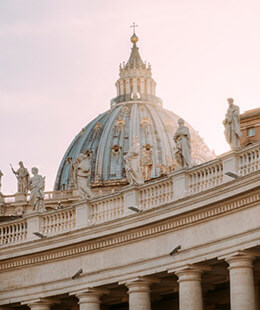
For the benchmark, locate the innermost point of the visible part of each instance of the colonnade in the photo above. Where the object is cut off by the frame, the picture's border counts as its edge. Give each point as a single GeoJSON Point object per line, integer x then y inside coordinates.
{"type": "Point", "coordinates": [242, 289]}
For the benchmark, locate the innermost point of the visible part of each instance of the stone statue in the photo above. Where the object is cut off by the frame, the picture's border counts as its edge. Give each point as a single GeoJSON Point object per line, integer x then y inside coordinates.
{"type": "Point", "coordinates": [23, 178]}
{"type": "Point", "coordinates": [183, 148]}
{"type": "Point", "coordinates": [232, 125]}
{"type": "Point", "coordinates": [37, 186]}
{"type": "Point", "coordinates": [132, 164]}
{"type": "Point", "coordinates": [82, 170]}
{"type": "Point", "coordinates": [1, 175]}
{"type": "Point", "coordinates": [147, 162]}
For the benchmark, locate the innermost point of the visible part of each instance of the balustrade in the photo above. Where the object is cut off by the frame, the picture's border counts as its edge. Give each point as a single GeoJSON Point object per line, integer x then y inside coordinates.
{"type": "Point", "coordinates": [13, 232]}
{"type": "Point", "coordinates": [58, 221]}
{"type": "Point", "coordinates": [249, 160]}
{"type": "Point", "coordinates": [154, 195]}
{"type": "Point", "coordinates": [205, 177]}
{"type": "Point", "coordinates": [107, 209]}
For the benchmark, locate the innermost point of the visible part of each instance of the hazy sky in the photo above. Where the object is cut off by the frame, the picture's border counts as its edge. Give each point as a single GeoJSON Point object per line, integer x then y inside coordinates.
{"type": "Point", "coordinates": [59, 62]}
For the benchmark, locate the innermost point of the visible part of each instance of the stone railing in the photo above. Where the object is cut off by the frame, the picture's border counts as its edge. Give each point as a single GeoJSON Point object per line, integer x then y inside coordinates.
{"type": "Point", "coordinates": [205, 177]}
{"type": "Point", "coordinates": [155, 193]}
{"type": "Point", "coordinates": [105, 209]}
{"type": "Point", "coordinates": [58, 221]}
{"type": "Point", "coordinates": [249, 160]}
{"type": "Point", "coordinates": [13, 232]}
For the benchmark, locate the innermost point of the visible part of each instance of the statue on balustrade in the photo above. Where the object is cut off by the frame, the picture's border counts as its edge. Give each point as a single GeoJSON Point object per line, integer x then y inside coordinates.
{"type": "Point", "coordinates": [23, 178]}
{"type": "Point", "coordinates": [183, 145]}
{"type": "Point", "coordinates": [232, 125]}
{"type": "Point", "coordinates": [132, 164]}
{"type": "Point", "coordinates": [36, 187]}
{"type": "Point", "coordinates": [147, 162]}
{"type": "Point", "coordinates": [82, 171]}
{"type": "Point", "coordinates": [1, 175]}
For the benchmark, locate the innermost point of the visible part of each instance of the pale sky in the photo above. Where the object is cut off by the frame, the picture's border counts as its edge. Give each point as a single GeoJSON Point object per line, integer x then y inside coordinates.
{"type": "Point", "coordinates": [59, 62]}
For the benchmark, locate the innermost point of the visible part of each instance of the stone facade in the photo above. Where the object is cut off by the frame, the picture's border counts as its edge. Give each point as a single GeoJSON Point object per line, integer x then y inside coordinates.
{"type": "Point", "coordinates": [193, 245]}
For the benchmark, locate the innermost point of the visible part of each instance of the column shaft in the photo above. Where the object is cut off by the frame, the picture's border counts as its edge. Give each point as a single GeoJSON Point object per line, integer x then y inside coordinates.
{"type": "Point", "coordinates": [242, 290]}
{"type": "Point", "coordinates": [190, 292]}
{"type": "Point", "coordinates": [139, 295]}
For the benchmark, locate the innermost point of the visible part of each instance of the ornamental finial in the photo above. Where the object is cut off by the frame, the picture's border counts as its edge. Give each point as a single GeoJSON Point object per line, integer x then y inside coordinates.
{"type": "Point", "coordinates": [134, 37]}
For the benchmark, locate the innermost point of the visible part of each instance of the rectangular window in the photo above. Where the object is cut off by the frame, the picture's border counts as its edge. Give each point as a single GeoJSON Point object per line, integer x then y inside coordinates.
{"type": "Point", "coordinates": [251, 132]}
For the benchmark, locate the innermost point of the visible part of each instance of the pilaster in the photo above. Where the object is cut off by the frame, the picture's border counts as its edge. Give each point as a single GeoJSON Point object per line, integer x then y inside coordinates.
{"type": "Point", "coordinates": [180, 184]}
{"type": "Point", "coordinates": [131, 199]}
{"type": "Point", "coordinates": [83, 214]}
{"type": "Point", "coordinates": [230, 164]}
{"type": "Point", "coordinates": [34, 224]}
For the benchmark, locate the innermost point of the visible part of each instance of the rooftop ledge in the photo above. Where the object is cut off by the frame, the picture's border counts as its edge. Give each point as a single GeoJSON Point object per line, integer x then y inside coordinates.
{"type": "Point", "coordinates": [159, 198]}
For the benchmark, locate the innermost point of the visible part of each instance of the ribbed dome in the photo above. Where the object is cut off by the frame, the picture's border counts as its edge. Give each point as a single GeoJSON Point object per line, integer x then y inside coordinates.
{"type": "Point", "coordinates": [109, 136]}
{"type": "Point", "coordinates": [136, 111]}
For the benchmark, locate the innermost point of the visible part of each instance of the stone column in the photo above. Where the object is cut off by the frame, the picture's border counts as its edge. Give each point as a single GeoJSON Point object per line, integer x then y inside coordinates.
{"type": "Point", "coordinates": [139, 294]}
{"type": "Point", "coordinates": [242, 289]}
{"type": "Point", "coordinates": [190, 292]}
{"type": "Point", "coordinates": [90, 299]}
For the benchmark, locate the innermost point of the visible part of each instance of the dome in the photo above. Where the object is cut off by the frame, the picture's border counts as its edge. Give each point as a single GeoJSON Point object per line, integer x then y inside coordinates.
{"type": "Point", "coordinates": [136, 111]}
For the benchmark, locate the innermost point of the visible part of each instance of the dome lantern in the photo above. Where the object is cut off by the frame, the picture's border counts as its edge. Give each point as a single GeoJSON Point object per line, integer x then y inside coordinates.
{"type": "Point", "coordinates": [135, 79]}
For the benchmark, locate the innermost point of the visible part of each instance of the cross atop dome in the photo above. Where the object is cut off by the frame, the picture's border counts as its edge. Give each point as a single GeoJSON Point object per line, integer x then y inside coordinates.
{"type": "Point", "coordinates": [133, 26]}
{"type": "Point", "coordinates": [134, 37]}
